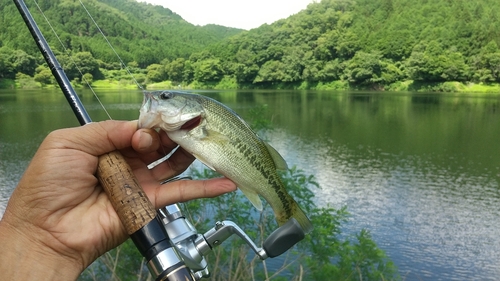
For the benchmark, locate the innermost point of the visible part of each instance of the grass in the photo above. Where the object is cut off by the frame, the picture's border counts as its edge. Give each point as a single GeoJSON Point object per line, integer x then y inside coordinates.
{"type": "Point", "coordinates": [161, 85]}
{"type": "Point", "coordinates": [114, 84]}
{"type": "Point", "coordinates": [481, 88]}
{"type": "Point", "coordinates": [230, 83]}
{"type": "Point", "coordinates": [450, 86]}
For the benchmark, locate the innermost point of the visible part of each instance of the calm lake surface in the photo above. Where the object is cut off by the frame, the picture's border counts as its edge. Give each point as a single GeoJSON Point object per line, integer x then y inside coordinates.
{"type": "Point", "coordinates": [420, 171]}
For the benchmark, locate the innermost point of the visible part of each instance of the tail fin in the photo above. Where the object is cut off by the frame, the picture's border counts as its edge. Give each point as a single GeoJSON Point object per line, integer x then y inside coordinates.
{"type": "Point", "coordinates": [301, 218]}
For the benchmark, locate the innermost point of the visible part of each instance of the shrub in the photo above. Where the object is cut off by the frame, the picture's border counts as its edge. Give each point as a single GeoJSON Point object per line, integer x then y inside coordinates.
{"type": "Point", "coordinates": [325, 254]}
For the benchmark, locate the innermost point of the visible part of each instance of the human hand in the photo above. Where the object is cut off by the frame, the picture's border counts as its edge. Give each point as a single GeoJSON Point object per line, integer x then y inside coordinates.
{"type": "Point", "coordinates": [59, 217]}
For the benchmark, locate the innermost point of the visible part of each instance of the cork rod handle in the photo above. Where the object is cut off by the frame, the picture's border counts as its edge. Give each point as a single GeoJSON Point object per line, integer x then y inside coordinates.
{"type": "Point", "coordinates": [126, 195]}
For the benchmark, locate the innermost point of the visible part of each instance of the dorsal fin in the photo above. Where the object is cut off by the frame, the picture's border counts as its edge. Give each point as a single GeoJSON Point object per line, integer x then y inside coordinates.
{"type": "Point", "coordinates": [277, 158]}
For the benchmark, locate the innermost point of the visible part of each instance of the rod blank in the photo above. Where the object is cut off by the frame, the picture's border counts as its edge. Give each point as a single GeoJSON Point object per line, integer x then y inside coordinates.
{"type": "Point", "coordinates": [57, 71]}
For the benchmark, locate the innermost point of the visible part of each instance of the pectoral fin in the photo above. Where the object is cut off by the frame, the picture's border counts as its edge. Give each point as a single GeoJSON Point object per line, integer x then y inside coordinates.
{"type": "Point", "coordinates": [205, 163]}
{"type": "Point", "coordinates": [210, 136]}
{"type": "Point", "coordinates": [253, 197]}
{"type": "Point", "coordinates": [215, 136]}
{"type": "Point", "coordinates": [277, 158]}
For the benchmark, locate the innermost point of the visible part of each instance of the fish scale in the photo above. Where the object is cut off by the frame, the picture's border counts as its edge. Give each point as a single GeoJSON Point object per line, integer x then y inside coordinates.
{"type": "Point", "coordinates": [224, 142]}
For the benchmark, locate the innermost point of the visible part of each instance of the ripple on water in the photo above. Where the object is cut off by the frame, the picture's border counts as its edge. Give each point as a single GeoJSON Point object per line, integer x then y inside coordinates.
{"type": "Point", "coordinates": [434, 221]}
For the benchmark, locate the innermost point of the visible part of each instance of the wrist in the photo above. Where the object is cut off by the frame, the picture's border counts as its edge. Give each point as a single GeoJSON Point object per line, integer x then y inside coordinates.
{"type": "Point", "coordinates": [24, 258]}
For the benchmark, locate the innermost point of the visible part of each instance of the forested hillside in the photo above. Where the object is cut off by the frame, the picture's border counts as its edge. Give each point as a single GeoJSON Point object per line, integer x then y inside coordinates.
{"type": "Point", "coordinates": [370, 43]}
{"type": "Point", "coordinates": [378, 44]}
{"type": "Point", "coordinates": [140, 32]}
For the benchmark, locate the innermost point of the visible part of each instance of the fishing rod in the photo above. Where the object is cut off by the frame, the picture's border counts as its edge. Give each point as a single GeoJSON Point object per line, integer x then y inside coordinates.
{"type": "Point", "coordinates": [126, 195]}
{"type": "Point", "coordinates": [169, 242]}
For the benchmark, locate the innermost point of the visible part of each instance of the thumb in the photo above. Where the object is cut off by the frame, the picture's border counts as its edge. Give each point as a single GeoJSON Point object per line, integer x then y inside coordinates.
{"type": "Point", "coordinates": [95, 138]}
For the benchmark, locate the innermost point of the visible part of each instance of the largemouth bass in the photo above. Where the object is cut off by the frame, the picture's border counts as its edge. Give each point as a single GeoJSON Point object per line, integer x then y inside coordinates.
{"type": "Point", "coordinates": [221, 140]}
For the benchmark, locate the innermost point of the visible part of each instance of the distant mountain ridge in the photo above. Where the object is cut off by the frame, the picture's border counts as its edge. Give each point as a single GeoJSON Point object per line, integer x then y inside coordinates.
{"type": "Point", "coordinates": [141, 32]}
{"type": "Point", "coordinates": [369, 43]}
{"type": "Point", "coordinates": [339, 44]}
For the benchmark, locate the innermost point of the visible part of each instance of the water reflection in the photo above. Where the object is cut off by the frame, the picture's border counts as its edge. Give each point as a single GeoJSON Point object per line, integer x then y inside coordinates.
{"type": "Point", "coordinates": [434, 222]}
{"type": "Point", "coordinates": [420, 171]}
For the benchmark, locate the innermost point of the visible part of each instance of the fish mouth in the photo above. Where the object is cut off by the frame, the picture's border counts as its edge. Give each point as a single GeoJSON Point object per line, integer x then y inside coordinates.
{"type": "Point", "coordinates": [191, 124]}
{"type": "Point", "coordinates": [148, 118]}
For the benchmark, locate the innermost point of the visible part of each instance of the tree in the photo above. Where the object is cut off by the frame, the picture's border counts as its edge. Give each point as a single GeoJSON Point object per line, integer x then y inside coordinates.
{"type": "Point", "coordinates": [429, 62]}
{"type": "Point", "coordinates": [188, 72]}
{"type": "Point", "coordinates": [242, 72]}
{"type": "Point", "coordinates": [6, 69]}
{"type": "Point", "coordinates": [331, 71]}
{"type": "Point", "coordinates": [430, 41]}
{"type": "Point", "coordinates": [76, 65]}
{"type": "Point", "coordinates": [417, 65]}
{"type": "Point", "coordinates": [156, 72]}
{"type": "Point", "coordinates": [175, 69]}
{"type": "Point", "coordinates": [244, 67]}
{"type": "Point", "coordinates": [293, 63]}
{"type": "Point", "coordinates": [87, 63]}
{"type": "Point", "coordinates": [311, 71]}
{"type": "Point", "coordinates": [271, 71]}
{"type": "Point", "coordinates": [20, 61]}
{"type": "Point", "coordinates": [365, 68]}
{"type": "Point", "coordinates": [87, 79]}
{"type": "Point", "coordinates": [44, 76]}
{"type": "Point", "coordinates": [453, 66]}
{"type": "Point", "coordinates": [207, 70]}
{"type": "Point", "coordinates": [487, 64]}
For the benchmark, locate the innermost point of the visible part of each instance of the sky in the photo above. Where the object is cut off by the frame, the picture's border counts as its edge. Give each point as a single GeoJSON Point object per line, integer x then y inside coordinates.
{"type": "Point", "coordinates": [244, 14]}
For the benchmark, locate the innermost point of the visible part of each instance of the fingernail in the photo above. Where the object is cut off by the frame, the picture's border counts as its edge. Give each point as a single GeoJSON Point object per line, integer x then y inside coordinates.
{"type": "Point", "coordinates": [145, 140]}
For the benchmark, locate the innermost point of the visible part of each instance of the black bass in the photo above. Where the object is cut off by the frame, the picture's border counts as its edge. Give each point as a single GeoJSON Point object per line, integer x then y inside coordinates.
{"type": "Point", "coordinates": [221, 140]}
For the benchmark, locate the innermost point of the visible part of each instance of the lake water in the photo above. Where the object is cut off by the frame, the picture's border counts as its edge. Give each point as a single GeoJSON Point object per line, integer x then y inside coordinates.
{"type": "Point", "coordinates": [420, 171]}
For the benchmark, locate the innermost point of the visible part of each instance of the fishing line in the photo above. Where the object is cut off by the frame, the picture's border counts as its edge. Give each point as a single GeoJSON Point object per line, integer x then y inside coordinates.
{"type": "Point", "coordinates": [151, 165]}
{"type": "Point", "coordinates": [71, 58]}
{"type": "Point", "coordinates": [167, 155]}
{"type": "Point", "coordinates": [111, 46]}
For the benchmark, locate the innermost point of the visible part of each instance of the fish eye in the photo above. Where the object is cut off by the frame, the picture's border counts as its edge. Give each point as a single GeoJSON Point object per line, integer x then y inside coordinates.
{"type": "Point", "coordinates": [166, 95]}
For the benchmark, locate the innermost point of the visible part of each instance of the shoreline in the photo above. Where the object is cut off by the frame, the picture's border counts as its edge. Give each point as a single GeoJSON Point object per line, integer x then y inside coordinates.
{"type": "Point", "coordinates": [400, 86]}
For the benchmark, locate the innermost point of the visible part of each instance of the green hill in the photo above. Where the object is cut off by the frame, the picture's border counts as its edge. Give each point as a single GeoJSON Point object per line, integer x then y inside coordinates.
{"type": "Point", "coordinates": [375, 44]}
{"type": "Point", "coordinates": [140, 32]}
{"type": "Point", "coordinates": [370, 43]}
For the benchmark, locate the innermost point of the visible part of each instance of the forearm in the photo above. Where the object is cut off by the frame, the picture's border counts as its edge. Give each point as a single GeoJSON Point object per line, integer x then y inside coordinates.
{"type": "Point", "coordinates": [21, 259]}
